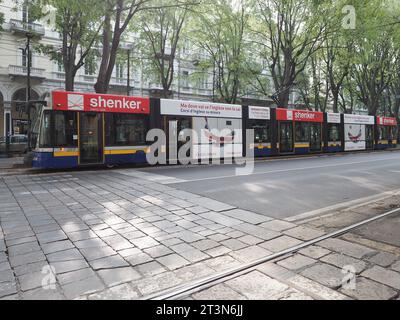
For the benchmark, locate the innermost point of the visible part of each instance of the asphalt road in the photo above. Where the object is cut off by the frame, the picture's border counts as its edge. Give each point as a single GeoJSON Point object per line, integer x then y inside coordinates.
{"type": "Point", "coordinates": [285, 188]}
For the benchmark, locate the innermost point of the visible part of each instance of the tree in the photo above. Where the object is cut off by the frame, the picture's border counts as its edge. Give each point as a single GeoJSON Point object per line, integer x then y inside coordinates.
{"type": "Point", "coordinates": [117, 16]}
{"type": "Point", "coordinates": [291, 32]}
{"type": "Point", "coordinates": [77, 21]}
{"type": "Point", "coordinates": [1, 19]}
{"type": "Point", "coordinates": [372, 68]}
{"type": "Point", "coordinates": [161, 31]}
{"type": "Point", "coordinates": [220, 32]}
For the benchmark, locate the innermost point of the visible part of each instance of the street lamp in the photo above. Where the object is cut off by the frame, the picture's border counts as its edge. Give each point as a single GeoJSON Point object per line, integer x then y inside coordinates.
{"type": "Point", "coordinates": [128, 47]}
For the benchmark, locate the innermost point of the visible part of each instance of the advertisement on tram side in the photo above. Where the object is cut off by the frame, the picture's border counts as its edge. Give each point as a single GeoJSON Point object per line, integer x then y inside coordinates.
{"type": "Point", "coordinates": [299, 115]}
{"type": "Point", "coordinates": [91, 102]}
{"type": "Point", "coordinates": [259, 113]}
{"type": "Point", "coordinates": [355, 137]}
{"type": "Point", "coordinates": [200, 109]}
{"type": "Point", "coordinates": [385, 121]}
{"type": "Point", "coordinates": [334, 118]}
{"type": "Point", "coordinates": [217, 137]}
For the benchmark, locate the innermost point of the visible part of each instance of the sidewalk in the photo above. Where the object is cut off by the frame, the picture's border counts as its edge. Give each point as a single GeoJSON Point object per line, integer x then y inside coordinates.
{"type": "Point", "coordinates": [10, 163]}
{"type": "Point", "coordinates": [322, 271]}
{"type": "Point", "coordinates": [123, 234]}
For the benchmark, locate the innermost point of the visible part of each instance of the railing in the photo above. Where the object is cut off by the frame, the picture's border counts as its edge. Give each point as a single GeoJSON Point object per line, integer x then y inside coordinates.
{"type": "Point", "coordinates": [26, 27]}
{"type": "Point", "coordinates": [23, 71]}
{"type": "Point", "coordinates": [88, 78]}
{"type": "Point", "coordinates": [59, 75]}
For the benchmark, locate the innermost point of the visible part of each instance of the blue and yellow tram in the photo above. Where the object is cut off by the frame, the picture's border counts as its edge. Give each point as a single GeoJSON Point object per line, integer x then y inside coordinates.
{"type": "Point", "coordinates": [81, 129]}
{"type": "Point", "coordinates": [77, 129]}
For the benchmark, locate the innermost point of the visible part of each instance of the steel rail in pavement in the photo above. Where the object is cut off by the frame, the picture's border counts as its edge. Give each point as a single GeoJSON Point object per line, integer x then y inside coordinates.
{"type": "Point", "coordinates": [204, 283]}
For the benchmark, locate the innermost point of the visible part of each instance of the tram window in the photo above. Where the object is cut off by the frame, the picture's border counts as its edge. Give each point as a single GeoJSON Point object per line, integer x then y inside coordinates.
{"type": "Point", "coordinates": [261, 131]}
{"type": "Point", "coordinates": [383, 133]}
{"type": "Point", "coordinates": [302, 132]}
{"type": "Point", "coordinates": [126, 129]}
{"type": "Point", "coordinates": [393, 133]}
{"type": "Point", "coordinates": [334, 132]}
{"type": "Point", "coordinates": [65, 127]}
{"type": "Point", "coordinates": [45, 131]}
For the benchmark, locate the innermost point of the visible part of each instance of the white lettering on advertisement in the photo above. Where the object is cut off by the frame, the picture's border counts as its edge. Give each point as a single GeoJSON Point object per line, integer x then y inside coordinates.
{"type": "Point", "coordinates": [304, 116]}
{"type": "Point", "coordinates": [259, 113]}
{"type": "Point", "coordinates": [334, 118]}
{"type": "Point", "coordinates": [109, 103]}
{"type": "Point", "coordinates": [359, 119]}
{"type": "Point", "coordinates": [200, 109]}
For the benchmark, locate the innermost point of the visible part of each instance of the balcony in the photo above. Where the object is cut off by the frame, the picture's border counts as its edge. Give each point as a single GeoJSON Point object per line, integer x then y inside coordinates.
{"type": "Point", "coordinates": [22, 71]}
{"type": "Point", "coordinates": [24, 28]}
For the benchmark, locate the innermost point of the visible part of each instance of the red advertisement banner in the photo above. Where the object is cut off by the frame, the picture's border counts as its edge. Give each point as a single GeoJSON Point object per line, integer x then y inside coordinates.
{"type": "Point", "coordinates": [385, 121]}
{"type": "Point", "coordinates": [92, 102]}
{"type": "Point", "coordinates": [299, 115]}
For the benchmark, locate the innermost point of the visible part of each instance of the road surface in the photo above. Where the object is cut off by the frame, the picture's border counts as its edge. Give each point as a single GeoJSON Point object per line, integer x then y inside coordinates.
{"type": "Point", "coordinates": [288, 187]}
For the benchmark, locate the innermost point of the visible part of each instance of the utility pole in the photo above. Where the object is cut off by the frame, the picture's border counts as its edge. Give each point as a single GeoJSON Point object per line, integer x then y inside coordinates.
{"type": "Point", "coordinates": [28, 85]}
{"type": "Point", "coordinates": [214, 76]}
{"type": "Point", "coordinates": [29, 63]}
{"type": "Point", "coordinates": [128, 85]}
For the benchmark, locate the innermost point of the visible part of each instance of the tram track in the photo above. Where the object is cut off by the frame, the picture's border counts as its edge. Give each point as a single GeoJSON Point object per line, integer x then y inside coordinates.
{"type": "Point", "coordinates": [187, 289]}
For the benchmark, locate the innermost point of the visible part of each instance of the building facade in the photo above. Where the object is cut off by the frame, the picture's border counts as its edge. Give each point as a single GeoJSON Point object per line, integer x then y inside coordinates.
{"type": "Point", "coordinates": [48, 75]}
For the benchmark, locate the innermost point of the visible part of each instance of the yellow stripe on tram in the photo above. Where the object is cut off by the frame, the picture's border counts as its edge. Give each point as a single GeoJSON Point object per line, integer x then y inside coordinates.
{"type": "Point", "coordinates": [302, 145]}
{"type": "Point", "coordinates": [58, 154]}
{"type": "Point", "coordinates": [124, 152]}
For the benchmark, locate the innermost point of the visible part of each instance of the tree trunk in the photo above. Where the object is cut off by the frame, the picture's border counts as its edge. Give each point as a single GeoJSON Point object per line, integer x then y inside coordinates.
{"type": "Point", "coordinates": [101, 86]}
{"type": "Point", "coordinates": [69, 81]}
{"type": "Point", "coordinates": [335, 94]}
{"type": "Point", "coordinates": [283, 99]}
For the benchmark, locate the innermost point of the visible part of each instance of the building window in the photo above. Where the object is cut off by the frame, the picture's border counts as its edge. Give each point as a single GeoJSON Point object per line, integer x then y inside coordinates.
{"type": "Point", "coordinates": [126, 129]}
{"type": "Point", "coordinates": [25, 13]}
{"type": "Point", "coordinates": [203, 82]}
{"type": "Point", "coordinates": [60, 67]}
{"type": "Point", "coordinates": [24, 57]}
{"type": "Point", "coordinates": [119, 71]}
{"type": "Point", "coordinates": [90, 67]}
{"type": "Point", "coordinates": [185, 79]}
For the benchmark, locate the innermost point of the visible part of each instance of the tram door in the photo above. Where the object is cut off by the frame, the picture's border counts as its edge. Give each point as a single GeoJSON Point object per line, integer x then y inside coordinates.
{"type": "Point", "coordinates": [176, 125]}
{"type": "Point", "coordinates": [91, 138]}
{"type": "Point", "coordinates": [316, 137]}
{"type": "Point", "coordinates": [369, 137]}
{"type": "Point", "coordinates": [286, 144]}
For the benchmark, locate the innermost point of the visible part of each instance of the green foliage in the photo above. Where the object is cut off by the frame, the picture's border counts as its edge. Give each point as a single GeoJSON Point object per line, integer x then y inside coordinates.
{"type": "Point", "coordinates": [77, 22]}
{"type": "Point", "coordinates": [248, 47]}
{"type": "Point", "coordinates": [219, 30]}
{"type": "Point", "coordinates": [1, 18]}
{"type": "Point", "coordinates": [161, 30]}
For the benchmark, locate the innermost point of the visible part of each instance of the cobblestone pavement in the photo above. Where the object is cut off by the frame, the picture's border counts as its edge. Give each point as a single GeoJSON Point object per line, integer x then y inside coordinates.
{"type": "Point", "coordinates": [115, 234]}
{"type": "Point", "coordinates": [317, 272]}
{"type": "Point", "coordinates": [125, 234]}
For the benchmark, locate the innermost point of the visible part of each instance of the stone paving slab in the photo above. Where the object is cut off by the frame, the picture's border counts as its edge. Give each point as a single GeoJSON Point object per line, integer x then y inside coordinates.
{"type": "Point", "coordinates": [370, 290]}
{"type": "Point", "coordinates": [123, 236]}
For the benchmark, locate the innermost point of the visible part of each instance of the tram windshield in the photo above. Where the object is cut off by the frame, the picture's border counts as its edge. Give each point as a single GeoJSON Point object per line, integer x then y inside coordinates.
{"type": "Point", "coordinates": [36, 111]}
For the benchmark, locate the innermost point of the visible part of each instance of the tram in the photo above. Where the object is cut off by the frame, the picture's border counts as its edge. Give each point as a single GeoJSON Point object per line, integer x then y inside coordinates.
{"type": "Point", "coordinates": [77, 129]}
{"type": "Point", "coordinates": [84, 129]}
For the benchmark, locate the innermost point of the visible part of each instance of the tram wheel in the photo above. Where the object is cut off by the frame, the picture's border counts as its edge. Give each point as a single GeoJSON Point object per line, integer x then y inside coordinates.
{"type": "Point", "coordinates": [111, 166]}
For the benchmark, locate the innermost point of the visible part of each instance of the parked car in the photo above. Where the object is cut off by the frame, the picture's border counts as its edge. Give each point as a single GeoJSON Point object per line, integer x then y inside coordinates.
{"type": "Point", "coordinates": [18, 144]}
